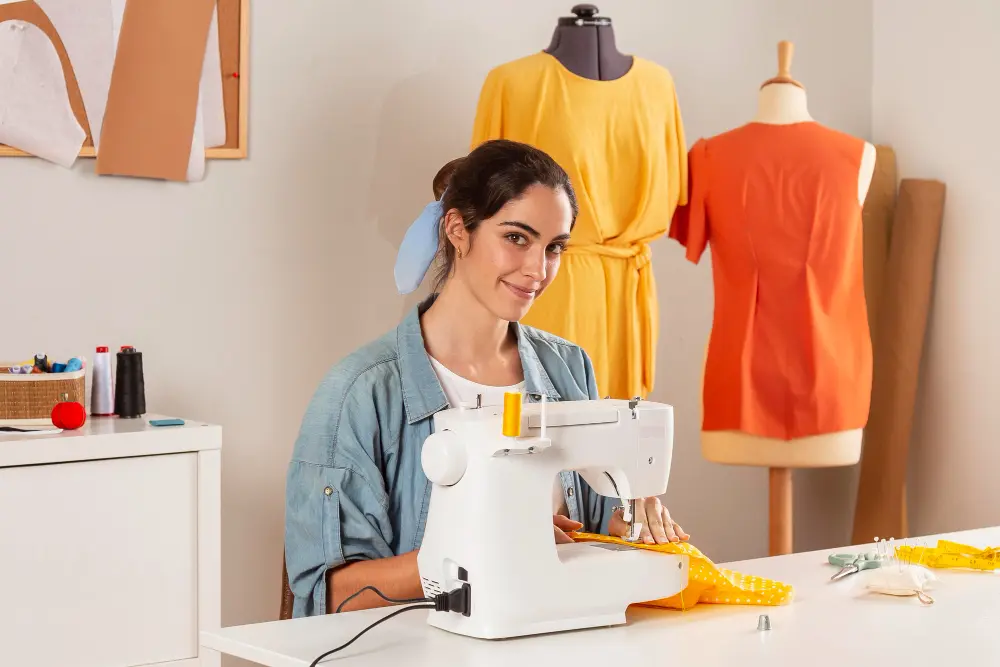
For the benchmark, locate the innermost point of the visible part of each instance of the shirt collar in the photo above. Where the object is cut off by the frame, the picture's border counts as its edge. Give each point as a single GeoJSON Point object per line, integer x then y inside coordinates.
{"type": "Point", "coordinates": [422, 391]}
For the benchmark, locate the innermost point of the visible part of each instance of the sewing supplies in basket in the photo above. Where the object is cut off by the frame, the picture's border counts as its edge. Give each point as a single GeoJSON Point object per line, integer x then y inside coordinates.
{"type": "Point", "coordinates": [42, 364]}
{"type": "Point", "coordinates": [30, 389]}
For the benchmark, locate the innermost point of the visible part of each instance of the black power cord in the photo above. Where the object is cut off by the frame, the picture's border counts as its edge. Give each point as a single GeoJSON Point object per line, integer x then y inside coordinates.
{"type": "Point", "coordinates": [458, 600]}
{"type": "Point", "coordinates": [381, 595]}
{"type": "Point", "coordinates": [381, 620]}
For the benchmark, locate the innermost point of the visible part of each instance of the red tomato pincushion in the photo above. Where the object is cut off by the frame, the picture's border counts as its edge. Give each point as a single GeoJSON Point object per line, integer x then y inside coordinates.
{"type": "Point", "coordinates": [68, 414]}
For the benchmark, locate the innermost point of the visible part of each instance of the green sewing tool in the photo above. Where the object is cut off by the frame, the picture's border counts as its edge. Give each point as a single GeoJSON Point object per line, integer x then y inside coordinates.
{"type": "Point", "coordinates": [852, 563]}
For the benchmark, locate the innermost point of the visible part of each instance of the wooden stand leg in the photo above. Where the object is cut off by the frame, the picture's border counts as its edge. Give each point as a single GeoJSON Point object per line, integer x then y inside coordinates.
{"type": "Point", "coordinates": [780, 511]}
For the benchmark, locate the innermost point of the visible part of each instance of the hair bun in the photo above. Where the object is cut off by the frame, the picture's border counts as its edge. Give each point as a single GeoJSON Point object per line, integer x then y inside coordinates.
{"type": "Point", "coordinates": [443, 177]}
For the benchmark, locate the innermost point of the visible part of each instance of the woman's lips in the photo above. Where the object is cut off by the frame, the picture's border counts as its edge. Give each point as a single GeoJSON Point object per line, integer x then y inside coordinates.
{"type": "Point", "coordinates": [520, 292]}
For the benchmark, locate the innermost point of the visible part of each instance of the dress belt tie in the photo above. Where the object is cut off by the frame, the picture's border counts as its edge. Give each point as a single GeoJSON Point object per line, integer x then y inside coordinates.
{"type": "Point", "coordinates": [641, 317]}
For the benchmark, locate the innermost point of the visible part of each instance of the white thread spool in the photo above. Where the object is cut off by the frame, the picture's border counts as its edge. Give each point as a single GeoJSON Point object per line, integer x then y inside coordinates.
{"type": "Point", "coordinates": [102, 401]}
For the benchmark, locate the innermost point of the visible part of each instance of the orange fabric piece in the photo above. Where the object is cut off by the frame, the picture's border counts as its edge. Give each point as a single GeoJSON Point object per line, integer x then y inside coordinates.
{"type": "Point", "coordinates": [790, 353]}
{"type": "Point", "coordinates": [707, 582]}
{"type": "Point", "coordinates": [622, 144]}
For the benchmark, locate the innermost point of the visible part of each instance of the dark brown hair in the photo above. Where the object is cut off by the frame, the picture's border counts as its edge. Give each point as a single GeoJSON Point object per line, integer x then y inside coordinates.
{"type": "Point", "coordinates": [480, 184]}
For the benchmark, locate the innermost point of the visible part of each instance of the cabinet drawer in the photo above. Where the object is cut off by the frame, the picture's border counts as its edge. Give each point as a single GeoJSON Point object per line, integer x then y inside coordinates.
{"type": "Point", "coordinates": [98, 562]}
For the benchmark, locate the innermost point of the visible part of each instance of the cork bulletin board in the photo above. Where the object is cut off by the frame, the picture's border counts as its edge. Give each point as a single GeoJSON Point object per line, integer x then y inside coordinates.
{"type": "Point", "coordinates": [233, 39]}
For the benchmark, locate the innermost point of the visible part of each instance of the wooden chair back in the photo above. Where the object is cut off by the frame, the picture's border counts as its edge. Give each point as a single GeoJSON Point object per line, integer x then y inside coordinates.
{"type": "Point", "coordinates": [286, 594]}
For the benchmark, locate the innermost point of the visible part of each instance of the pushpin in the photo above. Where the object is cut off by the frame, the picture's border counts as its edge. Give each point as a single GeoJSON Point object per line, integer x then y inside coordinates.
{"type": "Point", "coordinates": [763, 622]}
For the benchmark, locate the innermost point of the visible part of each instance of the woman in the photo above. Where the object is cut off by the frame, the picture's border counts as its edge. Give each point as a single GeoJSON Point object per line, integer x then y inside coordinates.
{"type": "Point", "coordinates": [356, 493]}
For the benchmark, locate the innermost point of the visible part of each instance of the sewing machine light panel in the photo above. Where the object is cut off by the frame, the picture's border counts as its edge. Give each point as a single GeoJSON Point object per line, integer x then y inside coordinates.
{"type": "Point", "coordinates": [625, 455]}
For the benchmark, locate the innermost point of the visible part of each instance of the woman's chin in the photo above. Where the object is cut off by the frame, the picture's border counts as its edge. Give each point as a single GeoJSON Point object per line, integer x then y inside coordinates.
{"type": "Point", "coordinates": [512, 309]}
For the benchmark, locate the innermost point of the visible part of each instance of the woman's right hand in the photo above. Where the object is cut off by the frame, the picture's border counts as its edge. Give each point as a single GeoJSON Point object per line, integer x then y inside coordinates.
{"type": "Point", "coordinates": [562, 525]}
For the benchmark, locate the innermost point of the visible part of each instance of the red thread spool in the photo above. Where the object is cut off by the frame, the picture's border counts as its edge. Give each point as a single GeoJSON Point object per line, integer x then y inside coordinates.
{"type": "Point", "coordinates": [68, 414]}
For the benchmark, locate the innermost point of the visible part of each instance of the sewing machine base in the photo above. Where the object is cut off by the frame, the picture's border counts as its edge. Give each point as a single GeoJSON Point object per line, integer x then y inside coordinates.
{"type": "Point", "coordinates": [512, 608]}
{"type": "Point", "coordinates": [437, 620]}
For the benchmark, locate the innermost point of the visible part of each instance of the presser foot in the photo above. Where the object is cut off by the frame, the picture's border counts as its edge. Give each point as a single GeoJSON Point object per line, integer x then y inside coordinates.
{"type": "Point", "coordinates": [628, 514]}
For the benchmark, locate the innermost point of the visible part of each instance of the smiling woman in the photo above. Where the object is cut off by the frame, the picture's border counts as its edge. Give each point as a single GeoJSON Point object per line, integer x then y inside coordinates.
{"type": "Point", "coordinates": [356, 494]}
{"type": "Point", "coordinates": [529, 206]}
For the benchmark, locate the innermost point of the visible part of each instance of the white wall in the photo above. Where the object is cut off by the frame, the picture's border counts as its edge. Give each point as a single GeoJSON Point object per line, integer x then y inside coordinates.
{"type": "Point", "coordinates": [935, 101]}
{"type": "Point", "coordinates": [243, 289]}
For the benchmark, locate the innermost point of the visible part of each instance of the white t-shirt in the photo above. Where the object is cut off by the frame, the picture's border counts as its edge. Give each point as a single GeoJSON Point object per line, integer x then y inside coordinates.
{"type": "Point", "coordinates": [460, 390]}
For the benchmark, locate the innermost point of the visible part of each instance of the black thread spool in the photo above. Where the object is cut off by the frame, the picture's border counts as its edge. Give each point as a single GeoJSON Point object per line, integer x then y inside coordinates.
{"type": "Point", "coordinates": [130, 387]}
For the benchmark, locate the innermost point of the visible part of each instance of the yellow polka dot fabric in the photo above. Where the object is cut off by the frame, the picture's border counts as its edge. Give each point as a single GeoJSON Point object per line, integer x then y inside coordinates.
{"type": "Point", "coordinates": [707, 582]}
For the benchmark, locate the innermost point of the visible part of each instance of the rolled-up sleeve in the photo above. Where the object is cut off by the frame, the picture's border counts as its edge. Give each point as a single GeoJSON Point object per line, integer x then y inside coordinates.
{"type": "Point", "coordinates": [336, 507]}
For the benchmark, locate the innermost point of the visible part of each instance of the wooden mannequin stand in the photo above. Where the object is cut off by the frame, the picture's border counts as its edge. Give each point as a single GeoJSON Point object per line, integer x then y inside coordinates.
{"type": "Point", "coordinates": [779, 515]}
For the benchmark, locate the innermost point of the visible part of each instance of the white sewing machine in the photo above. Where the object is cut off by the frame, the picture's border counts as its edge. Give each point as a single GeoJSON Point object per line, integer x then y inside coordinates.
{"type": "Point", "coordinates": [489, 525]}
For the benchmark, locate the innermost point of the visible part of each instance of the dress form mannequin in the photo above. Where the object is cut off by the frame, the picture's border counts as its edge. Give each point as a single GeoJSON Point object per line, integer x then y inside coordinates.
{"type": "Point", "coordinates": [585, 45]}
{"type": "Point", "coordinates": [782, 101]}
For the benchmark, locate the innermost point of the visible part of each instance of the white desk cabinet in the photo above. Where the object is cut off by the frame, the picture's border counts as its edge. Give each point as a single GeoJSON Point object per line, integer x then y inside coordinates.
{"type": "Point", "coordinates": [110, 545]}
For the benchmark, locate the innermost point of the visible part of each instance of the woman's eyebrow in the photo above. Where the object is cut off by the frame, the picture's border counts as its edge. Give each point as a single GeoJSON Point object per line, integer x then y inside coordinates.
{"type": "Point", "coordinates": [523, 226]}
{"type": "Point", "coordinates": [532, 231]}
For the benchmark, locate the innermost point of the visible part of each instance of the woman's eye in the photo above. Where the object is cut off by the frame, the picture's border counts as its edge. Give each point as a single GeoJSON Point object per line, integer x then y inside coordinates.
{"type": "Point", "coordinates": [517, 239]}
{"type": "Point", "coordinates": [557, 248]}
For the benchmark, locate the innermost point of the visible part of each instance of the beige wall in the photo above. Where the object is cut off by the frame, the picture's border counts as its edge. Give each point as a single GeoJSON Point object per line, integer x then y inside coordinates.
{"type": "Point", "coordinates": [243, 289]}
{"type": "Point", "coordinates": [935, 102]}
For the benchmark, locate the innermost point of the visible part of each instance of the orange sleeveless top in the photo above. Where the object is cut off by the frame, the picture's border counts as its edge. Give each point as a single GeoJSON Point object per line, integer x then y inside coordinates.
{"type": "Point", "coordinates": [790, 352]}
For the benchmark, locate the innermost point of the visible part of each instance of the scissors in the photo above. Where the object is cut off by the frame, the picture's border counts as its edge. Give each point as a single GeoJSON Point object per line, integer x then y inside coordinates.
{"type": "Point", "coordinates": [853, 563]}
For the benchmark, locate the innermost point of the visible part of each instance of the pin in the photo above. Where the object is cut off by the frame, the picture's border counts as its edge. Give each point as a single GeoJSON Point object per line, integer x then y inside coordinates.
{"type": "Point", "coordinates": [763, 622]}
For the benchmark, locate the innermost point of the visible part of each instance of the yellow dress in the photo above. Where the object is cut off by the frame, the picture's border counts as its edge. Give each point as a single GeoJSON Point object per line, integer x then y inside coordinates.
{"type": "Point", "coordinates": [707, 582]}
{"type": "Point", "coordinates": [622, 144]}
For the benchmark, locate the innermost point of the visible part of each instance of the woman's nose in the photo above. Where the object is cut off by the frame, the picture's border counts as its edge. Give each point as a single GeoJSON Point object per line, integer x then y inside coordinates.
{"type": "Point", "coordinates": [534, 265]}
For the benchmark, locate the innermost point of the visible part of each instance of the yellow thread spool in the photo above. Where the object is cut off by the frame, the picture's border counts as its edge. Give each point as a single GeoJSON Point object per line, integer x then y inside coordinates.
{"type": "Point", "coordinates": [512, 414]}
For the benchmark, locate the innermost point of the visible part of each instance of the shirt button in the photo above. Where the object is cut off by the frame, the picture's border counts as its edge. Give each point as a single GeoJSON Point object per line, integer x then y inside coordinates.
{"type": "Point", "coordinates": [570, 492]}
{"type": "Point", "coordinates": [328, 491]}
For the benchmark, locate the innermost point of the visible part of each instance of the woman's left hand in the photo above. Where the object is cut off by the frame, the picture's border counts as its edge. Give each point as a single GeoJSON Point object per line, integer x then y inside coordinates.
{"type": "Point", "coordinates": [657, 526]}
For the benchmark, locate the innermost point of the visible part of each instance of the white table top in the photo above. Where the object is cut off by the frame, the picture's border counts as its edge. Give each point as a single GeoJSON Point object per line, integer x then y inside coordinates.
{"type": "Point", "coordinates": [104, 438]}
{"type": "Point", "coordinates": [828, 623]}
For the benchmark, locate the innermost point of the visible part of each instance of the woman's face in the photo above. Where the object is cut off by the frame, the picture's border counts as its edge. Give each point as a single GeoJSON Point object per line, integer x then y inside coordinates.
{"type": "Point", "coordinates": [515, 254]}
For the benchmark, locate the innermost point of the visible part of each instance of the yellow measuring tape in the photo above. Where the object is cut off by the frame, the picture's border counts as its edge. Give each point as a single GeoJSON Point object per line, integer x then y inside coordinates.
{"type": "Point", "coordinates": [949, 554]}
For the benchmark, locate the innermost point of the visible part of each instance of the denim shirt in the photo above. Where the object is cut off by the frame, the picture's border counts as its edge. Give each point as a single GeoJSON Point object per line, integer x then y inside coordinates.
{"type": "Point", "coordinates": [355, 488]}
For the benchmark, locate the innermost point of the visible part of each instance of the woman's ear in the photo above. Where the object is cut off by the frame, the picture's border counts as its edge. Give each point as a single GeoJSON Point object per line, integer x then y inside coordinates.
{"type": "Point", "coordinates": [454, 230]}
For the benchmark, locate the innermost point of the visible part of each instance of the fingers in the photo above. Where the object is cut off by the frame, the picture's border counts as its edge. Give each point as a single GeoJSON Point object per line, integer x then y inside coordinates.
{"type": "Point", "coordinates": [561, 525]}
{"type": "Point", "coordinates": [657, 532]}
{"type": "Point", "coordinates": [616, 525]}
{"type": "Point", "coordinates": [668, 525]}
{"type": "Point", "coordinates": [657, 525]}
{"type": "Point", "coordinates": [681, 535]}
{"type": "Point", "coordinates": [565, 523]}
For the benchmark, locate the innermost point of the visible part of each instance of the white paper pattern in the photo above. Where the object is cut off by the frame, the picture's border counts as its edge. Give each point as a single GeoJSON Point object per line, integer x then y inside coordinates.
{"type": "Point", "coordinates": [117, 13]}
{"type": "Point", "coordinates": [213, 108]}
{"type": "Point", "coordinates": [35, 114]}
{"type": "Point", "coordinates": [87, 31]}
{"type": "Point", "coordinates": [196, 159]}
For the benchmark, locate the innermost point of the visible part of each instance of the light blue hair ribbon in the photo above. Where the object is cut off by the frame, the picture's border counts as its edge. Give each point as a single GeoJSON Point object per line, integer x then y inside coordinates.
{"type": "Point", "coordinates": [419, 246]}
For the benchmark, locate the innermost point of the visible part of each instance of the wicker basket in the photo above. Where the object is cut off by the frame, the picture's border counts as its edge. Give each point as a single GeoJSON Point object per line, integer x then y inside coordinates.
{"type": "Point", "coordinates": [32, 397]}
